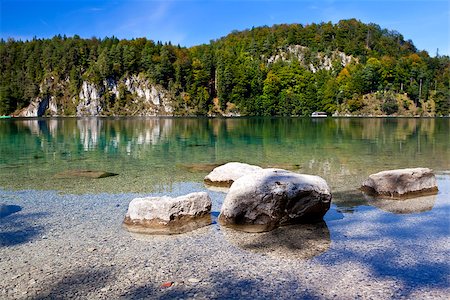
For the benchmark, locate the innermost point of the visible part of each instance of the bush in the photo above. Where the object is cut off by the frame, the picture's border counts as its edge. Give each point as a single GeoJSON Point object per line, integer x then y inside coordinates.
{"type": "Point", "coordinates": [390, 105]}
{"type": "Point", "coordinates": [355, 104]}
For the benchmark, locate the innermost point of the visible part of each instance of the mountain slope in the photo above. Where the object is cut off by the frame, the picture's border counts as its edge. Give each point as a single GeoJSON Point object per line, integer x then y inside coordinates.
{"type": "Point", "coordinates": [280, 70]}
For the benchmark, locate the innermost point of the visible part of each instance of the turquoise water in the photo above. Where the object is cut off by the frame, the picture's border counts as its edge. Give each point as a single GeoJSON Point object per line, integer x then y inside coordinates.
{"type": "Point", "coordinates": [402, 242]}
{"type": "Point", "coordinates": [151, 154]}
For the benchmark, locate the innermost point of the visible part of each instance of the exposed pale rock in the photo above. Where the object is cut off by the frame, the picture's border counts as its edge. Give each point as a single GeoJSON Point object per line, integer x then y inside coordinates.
{"type": "Point", "coordinates": [266, 199]}
{"type": "Point", "coordinates": [90, 102]}
{"type": "Point", "coordinates": [52, 107]}
{"type": "Point", "coordinates": [226, 174]}
{"type": "Point", "coordinates": [167, 215]}
{"type": "Point", "coordinates": [154, 98]}
{"type": "Point", "coordinates": [144, 89]}
{"type": "Point", "coordinates": [38, 106]}
{"type": "Point", "coordinates": [401, 182]}
{"type": "Point", "coordinates": [302, 54]}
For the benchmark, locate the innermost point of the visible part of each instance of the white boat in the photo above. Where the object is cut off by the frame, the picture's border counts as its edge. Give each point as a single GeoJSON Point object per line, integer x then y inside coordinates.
{"type": "Point", "coordinates": [319, 114]}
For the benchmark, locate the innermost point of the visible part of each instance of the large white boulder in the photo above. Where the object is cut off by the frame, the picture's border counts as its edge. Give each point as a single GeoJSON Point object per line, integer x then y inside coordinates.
{"type": "Point", "coordinates": [226, 174]}
{"type": "Point", "coordinates": [166, 215]}
{"type": "Point", "coordinates": [401, 182]}
{"type": "Point", "coordinates": [264, 200]}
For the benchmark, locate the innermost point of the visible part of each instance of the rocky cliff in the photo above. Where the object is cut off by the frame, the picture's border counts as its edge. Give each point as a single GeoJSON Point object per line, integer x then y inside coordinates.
{"type": "Point", "coordinates": [312, 61]}
{"type": "Point", "coordinates": [132, 95]}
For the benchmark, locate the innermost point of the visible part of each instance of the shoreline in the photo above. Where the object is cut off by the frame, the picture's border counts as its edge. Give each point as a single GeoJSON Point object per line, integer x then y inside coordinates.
{"type": "Point", "coordinates": [12, 117]}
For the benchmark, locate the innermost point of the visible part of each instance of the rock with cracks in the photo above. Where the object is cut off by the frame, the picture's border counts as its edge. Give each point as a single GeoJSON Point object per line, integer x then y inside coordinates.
{"type": "Point", "coordinates": [264, 200]}
{"type": "Point", "coordinates": [401, 183]}
{"type": "Point", "coordinates": [166, 215]}
{"type": "Point", "coordinates": [225, 175]}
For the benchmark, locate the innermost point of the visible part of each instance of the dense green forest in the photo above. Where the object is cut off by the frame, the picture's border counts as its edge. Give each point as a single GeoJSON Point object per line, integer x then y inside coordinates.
{"type": "Point", "coordinates": [348, 67]}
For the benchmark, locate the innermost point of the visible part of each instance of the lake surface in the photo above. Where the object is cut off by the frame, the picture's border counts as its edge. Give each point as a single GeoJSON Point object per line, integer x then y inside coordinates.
{"type": "Point", "coordinates": [151, 154]}
{"type": "Point", "coordinates": [365, 248]}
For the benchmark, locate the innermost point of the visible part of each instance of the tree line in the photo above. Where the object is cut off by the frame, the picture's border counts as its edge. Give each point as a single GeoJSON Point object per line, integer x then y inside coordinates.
{"type": "Point", "coordinates": [238, 71]}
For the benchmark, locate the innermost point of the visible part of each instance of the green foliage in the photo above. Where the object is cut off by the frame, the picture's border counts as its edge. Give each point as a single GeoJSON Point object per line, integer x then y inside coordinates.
{"type": "Point", "coordinates": [235, 69]}
{"type": "Point", "coordinates": [355, 104]}
{"type": "Point", "coordinates": [7, 101]}
{"type": "Point", "coordinates": [390, 105]}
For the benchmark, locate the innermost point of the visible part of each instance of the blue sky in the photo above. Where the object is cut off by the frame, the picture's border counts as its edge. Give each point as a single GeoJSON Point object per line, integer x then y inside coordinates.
{"type": "Point", "coordinates": [192, 22]}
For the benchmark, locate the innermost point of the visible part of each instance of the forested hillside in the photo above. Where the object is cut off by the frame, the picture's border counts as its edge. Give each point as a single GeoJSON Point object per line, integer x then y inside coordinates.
{"type": "Point", "coordinates": [344, 68]}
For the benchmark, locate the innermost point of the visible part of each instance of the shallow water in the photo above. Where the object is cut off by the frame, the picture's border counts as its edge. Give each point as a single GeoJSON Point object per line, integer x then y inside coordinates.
{"type": "Point", "coordinates": [399, 247]}
{"type": "Point", "coordinates": [152, 154]}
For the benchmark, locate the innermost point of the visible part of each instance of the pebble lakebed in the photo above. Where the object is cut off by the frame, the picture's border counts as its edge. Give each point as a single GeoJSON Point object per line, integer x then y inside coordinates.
{"type": "Point", "coordinates": [58, 245]}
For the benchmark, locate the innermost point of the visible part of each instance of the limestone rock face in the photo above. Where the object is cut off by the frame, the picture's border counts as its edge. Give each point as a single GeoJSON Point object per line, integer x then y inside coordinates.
{"type": "Point", "coordinates": [150, 99]}
{"type": "Point", "coordinates": [90, 102]}
{"type": "Point", "coordinates": [264, 200]}
{"type": "Point", "coordinates": [401, 182]}
{"type": "Point", "coordinates": [322, 61]}
{"type": "Point", "coordinates": [226, 174]}
{"type": "Point", "coordinates": [38, 107]}
{"type": "Point", "coordinates": [166, 215]}
{"type": "Point", "coordinates": [144, 89]}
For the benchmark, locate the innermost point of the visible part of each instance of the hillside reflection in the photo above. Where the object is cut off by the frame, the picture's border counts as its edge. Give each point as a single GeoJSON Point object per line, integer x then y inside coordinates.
{"type": "Point", "coordinates": [339, 149]}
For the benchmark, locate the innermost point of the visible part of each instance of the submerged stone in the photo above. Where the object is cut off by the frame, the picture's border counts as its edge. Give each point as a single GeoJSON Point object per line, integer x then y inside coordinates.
{"type": "Point", "coordinates": [167, 215]}
{"type": "Point", "coordinates": [226, 174]}
{"type": "Point", "coordinates": [264, 200]}
{"type": "Point", "coordinates": [199, 167]}
{"type": "Point", "coordinates": [85, 174]}
{"type": "Point", "coordinates": [401, 182]}
{"type": "Point", "coordinates": [404, 206]}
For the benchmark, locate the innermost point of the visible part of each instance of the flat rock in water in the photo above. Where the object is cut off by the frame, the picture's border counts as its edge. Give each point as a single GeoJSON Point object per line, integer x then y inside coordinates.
{"type": "Point", "coordinates": [200, 167]}
{"type": "Point", "coordinates": [84, 174]}
{"type": "Point", "coordinates": [289, 167]}
{"type": "Point", "coordinates": [264, 200]}
{"type": "Point", "coordinates": [226, 174]}
{"type": "Point", "coordinates": [166, 215]}
{"type": "Point", "coordinates": [401, 183]}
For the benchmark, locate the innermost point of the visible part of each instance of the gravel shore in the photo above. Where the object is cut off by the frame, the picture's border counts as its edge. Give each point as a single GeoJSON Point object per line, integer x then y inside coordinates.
{"type": "Point", "coordinates": [63, 246]}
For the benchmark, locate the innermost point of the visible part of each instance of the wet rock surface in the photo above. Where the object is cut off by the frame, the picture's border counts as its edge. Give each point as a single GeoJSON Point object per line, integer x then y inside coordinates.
{"type": "Point", "coordinates": [404, 206]}
{"type": "Point", "coordinates": [226, 174]}
{"type": "Point", "coordinates": [199, 167]}
{"type": "Point", "coordinates": [266, 199]}
{"type": "Point", "coordinates": [401, 182]}
{"type": "Point", "coordinates": [167, 215]}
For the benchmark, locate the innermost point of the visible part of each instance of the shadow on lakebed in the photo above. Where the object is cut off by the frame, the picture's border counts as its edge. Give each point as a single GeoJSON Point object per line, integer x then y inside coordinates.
{"type": "Point", "coordinates": [6, 210]}
{"type": "Point", "coordinates": [301, 241]}
{"type": "Point", "coordinates": [18, 228]}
